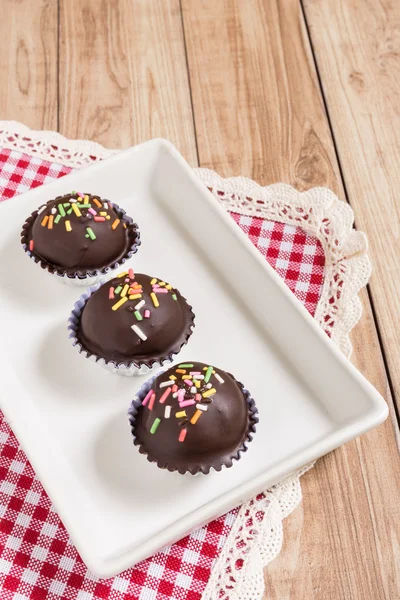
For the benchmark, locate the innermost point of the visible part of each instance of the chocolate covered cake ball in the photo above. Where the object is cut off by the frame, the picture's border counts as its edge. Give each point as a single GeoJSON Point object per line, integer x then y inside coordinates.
{"type": "Point", "coordinates": [193, 418]}
{"type": "Point", "coordinates": [80, 234]}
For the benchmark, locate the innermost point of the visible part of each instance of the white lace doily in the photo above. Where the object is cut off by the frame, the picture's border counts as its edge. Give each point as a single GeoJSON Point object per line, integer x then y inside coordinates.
{"type": "Point", "coordinates": [257, 533]}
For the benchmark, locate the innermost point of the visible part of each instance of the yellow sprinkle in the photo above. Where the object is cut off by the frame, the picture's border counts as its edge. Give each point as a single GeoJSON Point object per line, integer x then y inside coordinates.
{"type": "Point", "coordinates": [115, 224]}
{"type": "Point", "coordinates": [50, 223]}
{"type": "Point", "coordinates": [168, 287]}
{"type": "Point", "coordinates": [97, 203]}
{"type": "Point", "coordinates": [161, 283]}
{"type": "Point", "coordinates": [134, 296]}
{"type": "Point", "coordinates": [122, 274]}
{"type": "Point", "coordinates": [44, 222]}
{"type": "Point", "coordinates": [205, 369]}
{"type": "Point", "coordinates": [68, 225]}
{"type": "Point", "coordinates": [197, 384]}
{"type": "Point", "coordinates": [76, 209]}
{"type": "Point", "coordinates": [153, 281]}
{"type": "Point", "coordinates": [108, 217]}
{"type": "Point", "coordinates": [188, 376]}
{"type": "Point", "coordinates": [209, 392]}
{"type": "Point", "coordinates": [86, 199]}
{"type": "Point", "coordinates": [155, 299]}
{"type": "Point", "coordinates": [180, 414]}
{"type": "Point", "coordinates": [103, 214]}
{"type": "Point", "coordinates": [196, 417]}
{"type": "Point", "coordinates": [125, 290]}
{"type": "Point", "coordinates": [119, 303]}
{"type": "Point", "coordinates": [124, 225]}
{"type": "Point", "coordinates": [172, 377]}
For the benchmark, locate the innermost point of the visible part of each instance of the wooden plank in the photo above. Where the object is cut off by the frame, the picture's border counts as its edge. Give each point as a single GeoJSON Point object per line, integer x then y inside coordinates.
{"type": "Point", "coordinates": [359, 62]}
{"type": "Point", "coordinates": [28, 62]}
{"type": "Point", "coordinates": [123, 76]}
{"type": "Point", "coordinates": [258, 112]}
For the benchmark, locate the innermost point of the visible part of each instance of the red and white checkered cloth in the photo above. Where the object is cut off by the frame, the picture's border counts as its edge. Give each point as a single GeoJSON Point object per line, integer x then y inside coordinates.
{"type": "Point", "coordinates": [37, 559]}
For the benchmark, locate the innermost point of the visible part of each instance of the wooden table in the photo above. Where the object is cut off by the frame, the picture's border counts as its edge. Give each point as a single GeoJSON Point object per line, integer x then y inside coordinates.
{"type": "Point", "coordinates": [302, 92]}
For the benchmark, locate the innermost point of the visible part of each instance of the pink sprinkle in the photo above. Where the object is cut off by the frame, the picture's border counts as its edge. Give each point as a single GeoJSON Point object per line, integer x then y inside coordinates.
{"type": "Point", "coordinates": [188, 382]}
{"type": "Point", "coordinates": [147, 314]}
{"type": "Point", "coordinates": [165, 395]}
{"type": "Point", "coordinates": [80, 194]}
{"type": "Point", "coordinates": [181, 395]}
{"type": "Point", "coordinates": [147, 398]}
{"type": "Point", "coordinates": [186, 403]}
{"type": "Point", "coordinates": [111, 293]}
{"type": "Point", "coordinates": [151, 403]}
{"type": "Point", "coordinates": [174, 388]}
{"type": "Point", "coordinates": [131, 274]}
{"type": "Point", "coordinates": [92, 211]}
{"type": "Point", "coordinates": [182, 435]}
{"type": "Point", "coordinates": [99, 219]}
{"type": "Point", "coordinates": [160, 291]}
{"type": "Point", "coordinates": [127, 280]}
{"type": "Point", "coordinates": [198, 397]}
{"type": "Point", "coordinates": [31, 244]}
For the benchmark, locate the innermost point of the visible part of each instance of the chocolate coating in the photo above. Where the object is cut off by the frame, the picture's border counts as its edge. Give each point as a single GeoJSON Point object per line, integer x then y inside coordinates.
{"type": "Point", "coordinates": [73, 252]}
{"type": "Point", "coordinates": [218, 436]}
{"type": "Point", "coordinates": [108, 333]}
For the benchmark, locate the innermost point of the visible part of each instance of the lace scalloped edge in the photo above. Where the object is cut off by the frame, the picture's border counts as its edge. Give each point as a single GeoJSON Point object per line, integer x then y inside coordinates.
{"type": "Point", "coordinates": [257, 533]}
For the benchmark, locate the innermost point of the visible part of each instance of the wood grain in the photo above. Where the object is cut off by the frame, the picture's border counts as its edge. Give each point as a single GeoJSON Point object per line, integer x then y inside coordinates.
{"type": "Point", "coordinates": [123, 76]}
{"type": "Point", "coordinates": [264, 118]}
{"type": "Point", "coordinates": [358, 56]}
{"type": "Point", "coordinates": [28, 62]}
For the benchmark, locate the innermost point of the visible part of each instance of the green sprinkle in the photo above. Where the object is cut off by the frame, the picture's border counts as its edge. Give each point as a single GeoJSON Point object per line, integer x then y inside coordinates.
{"type": "Point", "coordinates": [83, 205]}
{"type": "Point", "coordinates": [174, 297]}
{"type": "Point", "coordinates": [185, 366]}
{"type": "Point", "coordinates": [138, 315]}
{"type": "Point", "coordinates": [73, 192]}
{"type": "Point", "coordinates": [87, 235]}
{"type": "Point", "coordinates": [69, 211]}
{"type": "Point", "coordinates": [156, 423]}
{"type": "Point", "coordinates": [57, 219]}
{"type": "Point", "coordinates": [66, 204]}
{"type": "Point", "coordinates": [118, 289]}
{"type": "Point", "coordinates": [91, 233]}
{"type": "Point", "coordinates": [208, 374]}
{"type": "Point", "coordinates": [61, 210]}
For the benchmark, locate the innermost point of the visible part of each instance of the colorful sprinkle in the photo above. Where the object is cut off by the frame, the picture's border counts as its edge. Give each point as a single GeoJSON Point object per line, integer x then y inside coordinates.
{"type": "Point", "coordinates": [91, 233]}
{"type": "Point", "coordinates": [193, 389]}
{"type": "Point", "coordinates": [31, 245]}
{"type": "Point", "coordinates": [167, 412]}
{"type": "Point", "coordinates": [97, 203]}
{"type": "Point", "coordinates": [209, 386]}
{"type": "Point", "coordinates": [86, 199]}
{"type": "Point", "coordinates": [79, 194]}
{"type": "Point", "coordinates": [153, 281]}
{"type": "Point", "coordinates": [115, 224]}
{"type": "Point", "coordinates": [61, 210]}
{"type": "Point", "coordinates": [196, 417]}
{"type": "Point", "coordinates": [187, 366]}
{"type": "Point", "coordinates": [219, 378]}
{"type": "Point", "coordinates": [182, 435]}
{"type": "Point", "coordinates": [76, 210]}
{"type": "Point", "coordinates": [131, 274]}
{"type": "Point", "coordinates": [208, 374]}
{"type": "Point", "coordinates": [51, 221]}
{"type": "Point", "coordinates": [70, 211]}
{"type": "Point", "coordinates": [119, 303]}
{"type": "Point", "coordinates": [140, 304]}
{"type": "Point", "coordinates": [180, 414]}
{"type": "Point", "coordinates": [209, 393]}
{"type": "Point", "coordinates": [188, 382]}
{"type": "Point", "coordinates": [41, 209]}
{"type": "Point", "coordinates": [135, 297]}
{"type": "Point", "coordinates": [125, 291]}
{"type": "Point", "coordinates": [137, 330]}
{"type": "Point", "coordinates": [44, 221]}
{"type": "Point", "coordinates": [186, 403]}
{"type": "Point", "coordinates": [57, 219]}
{"type": "Point", "coordinates": [156, 423]}
{"type": "Point", "coordinates": [123, 274]}
{"type": "Point", "coordinates": [165, 384]}
{"type": "Point", "coordinates": [138, 315]}
{"type": "Point", "coordinates": [169, 286]}
{"type": "Point", "coordinates": [111, 293]}
{"type": "Point", "coordinates": [68, 226]}
{"type": "Point", "coordinates": [183, 371]}
{"type": "Point", "coordinates": [202, 407]}
{"type": "Point", "coordinates": [152, 400]}
{"type": "Point", "coordinates": [147, 397]}
{"type": "Point", "coordinates": [174, 388]}
{"type": "Point", "coordinates": [198, 397]}
{"type": "Point", "coordinates": [103, 214]}
{"type": "Point", "coordinates": [154, 299]}
{"type": "Point", "coordinates": [99, 219]}
{"type": "Point", "coordinates": [66, 204]}
{"type": "Point", "coordinates": [118, 289]}
{"type": "Point", "coordinates": [165, 395]}
{"type": "Point", "coordinates": [174, 296]}
{"type": "Point", "coordinates": [197, 384]}
{"type": "Point", "coordinates": [173, 377]}
{"type": "Point", "coordinates": [53, 210]}
{"type": "Point", "coordinates": [80, 205]}
{"type": "Point", "coordinates": [160, 290]}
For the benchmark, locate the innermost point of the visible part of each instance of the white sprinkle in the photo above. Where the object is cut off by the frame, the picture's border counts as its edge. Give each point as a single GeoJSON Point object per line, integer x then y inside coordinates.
{"type": "Point", "coordinates": [175, 395]}
{"type": "Point", "coordinates": [53, 211]}
{"type": "Point", "coordinates": [167, 412]}
{"type": "Point", "coordinates": [193, 389]}
{"type": "Point", "coordinates": [219, 378]}
{"type": "Point", "coordinates": [165, 383]}
{"type": "Point", "coordinates": [73, 200]}
{"type": "Point", "coordinates": [41, 209]}
{"type": "Point", "coordinates": [139, 332]}
{"type": "Point", "coordinates": [105, 205]}
{"type": "Point", "coordinates": [202, 407]}
{"type": "Point", "coordinates": [140, 304]}
{"type": "Point", "coordinates": [209, 386]}
{"type": "Point", "coordinates": [199, 377]}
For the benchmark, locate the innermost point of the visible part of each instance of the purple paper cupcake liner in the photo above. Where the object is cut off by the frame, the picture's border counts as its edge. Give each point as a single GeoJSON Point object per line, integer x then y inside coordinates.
{"type": "Point", "coordinates": [91, 277]}
{"type": "Point", "coordinates": [253, 420]}
{"type": "Point", "coordinates": [128, 369]}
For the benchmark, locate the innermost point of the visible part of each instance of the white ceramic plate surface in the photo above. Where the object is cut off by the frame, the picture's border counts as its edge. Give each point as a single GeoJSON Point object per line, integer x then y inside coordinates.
{"type": "Point", "coordinates": [70, 415]}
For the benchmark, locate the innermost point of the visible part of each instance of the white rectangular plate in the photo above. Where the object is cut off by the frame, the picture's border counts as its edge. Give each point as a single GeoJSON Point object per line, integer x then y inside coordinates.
{"type": "Point", "coordinates": [70, 415]}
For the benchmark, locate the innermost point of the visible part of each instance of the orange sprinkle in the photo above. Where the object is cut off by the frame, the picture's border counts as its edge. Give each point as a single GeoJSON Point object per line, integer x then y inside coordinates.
{"type": "Point", "coordinates": [180, 370]}
{"type": "Point", "coordinates": [196, 417]}
{"type": "Point", "coordinates": [174, 388]}
{"type": "Point", "coordinates": [50, 223]}
{"type": "Point", "coordinates": [97, 203]}
{"type": "Point", "coordinates": [44, 222]}
{"type": "Point", "coordinates": [115, 224]}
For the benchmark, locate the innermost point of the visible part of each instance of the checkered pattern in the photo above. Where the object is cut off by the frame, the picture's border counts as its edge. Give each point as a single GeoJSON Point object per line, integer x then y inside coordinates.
{"type": "Point", "coordinates": [37, 559]}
